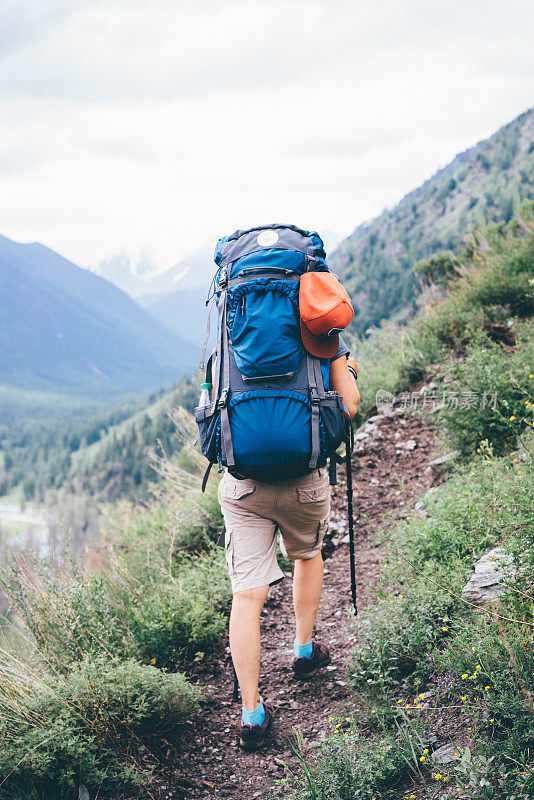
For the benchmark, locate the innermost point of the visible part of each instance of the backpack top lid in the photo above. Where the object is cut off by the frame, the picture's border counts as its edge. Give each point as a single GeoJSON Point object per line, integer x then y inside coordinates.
{"type": "Point", "coordinates": [263, 237]}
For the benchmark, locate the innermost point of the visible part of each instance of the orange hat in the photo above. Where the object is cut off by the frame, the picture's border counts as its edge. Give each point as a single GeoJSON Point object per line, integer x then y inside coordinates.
{"type": "Point", "coordinates": [325, 310]}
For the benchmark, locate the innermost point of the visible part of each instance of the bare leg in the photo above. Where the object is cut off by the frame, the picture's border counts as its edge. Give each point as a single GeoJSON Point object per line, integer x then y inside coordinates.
{"type": "Point", "coordinates": [245, 642]}
{"type": "Point", "coordinates": [307, 588]}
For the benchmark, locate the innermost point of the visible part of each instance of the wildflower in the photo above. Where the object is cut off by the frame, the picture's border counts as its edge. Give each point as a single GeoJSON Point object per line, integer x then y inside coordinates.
{"type": "Point", "coordinates": [478, 666]}
{"type": "Point", "coordinates": [469, 729]}
{"type": "Point", "coordinates": [492, 720]}
{"type": "Point", "coordinates": [486, 688]}
{"type": "Point", "coordinates": [422, 759]}
{"type": "Point", "coordinates": [474, 649]}
{"type": "Point", "coordinates": [425, 751]}
{"type": "Point", "coordinates": [422, 696]}
{"type": "Point", "coordinates": [446, 778]}
{"type": "Point", "coordinates": [464, 676]}
{"type": "Point", "coordinates": [463, 697]}
{"type": "Point", "coordinates": [373, 711]}
{"type": "Point", "coordinates": [444, 628]}
{"type": "Point", "coordinates": [437, 776]}
{"type": "Point", "coordinates": [512, 417]}
{"type": "Point", "coordinates": [401, 596]}
{"type": "Point", "coordinates": [399, 701]}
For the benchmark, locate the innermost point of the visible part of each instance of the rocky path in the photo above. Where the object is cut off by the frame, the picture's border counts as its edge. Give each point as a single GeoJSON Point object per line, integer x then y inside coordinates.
{"type": "Point", "coordinates": [390, 472]}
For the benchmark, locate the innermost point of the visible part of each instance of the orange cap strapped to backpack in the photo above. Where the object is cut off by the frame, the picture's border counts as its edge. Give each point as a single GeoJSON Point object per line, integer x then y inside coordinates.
{"type": "Point", "coordinates": [325, 310]}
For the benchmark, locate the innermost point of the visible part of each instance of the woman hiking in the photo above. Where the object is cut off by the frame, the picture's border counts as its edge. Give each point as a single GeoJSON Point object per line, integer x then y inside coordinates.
{"type": "Point", "coordinates": [283, 392]}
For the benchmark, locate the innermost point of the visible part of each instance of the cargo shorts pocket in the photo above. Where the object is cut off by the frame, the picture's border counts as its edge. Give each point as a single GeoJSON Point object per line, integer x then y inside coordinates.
{"type": "Point", "coordinates": [232, 489]}
{"type": "Point", "coordinates": [314, 494]}
{"type": "Point", "coordinates": [229, 551]}
{"type": "Point", "coordinates": [322, 529]}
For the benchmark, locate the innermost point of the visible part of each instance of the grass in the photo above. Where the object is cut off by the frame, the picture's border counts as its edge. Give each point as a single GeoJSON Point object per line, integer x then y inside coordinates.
{"type": "Point", "coordinates": [92, 689]}
{"type": "Point", "coordinates": [429, 670]}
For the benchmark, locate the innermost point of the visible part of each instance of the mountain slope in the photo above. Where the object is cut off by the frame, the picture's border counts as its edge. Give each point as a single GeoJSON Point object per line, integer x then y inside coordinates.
{"type": "Point", "coordinates": [141, 274]}
{"type": "Point", "coordinates": [65, 329]}
{"type": "Point", "coordinates": [481, 185]}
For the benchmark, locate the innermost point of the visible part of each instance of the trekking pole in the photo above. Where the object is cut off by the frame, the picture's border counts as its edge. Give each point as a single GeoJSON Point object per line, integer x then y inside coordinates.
{"type": "Point", "coordinates": [235, 692]}
{"type": "Point", "coordinates": [349, 442]}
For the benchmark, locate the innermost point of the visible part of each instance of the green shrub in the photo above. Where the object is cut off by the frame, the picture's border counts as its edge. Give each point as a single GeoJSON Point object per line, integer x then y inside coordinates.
{"type": "Point", "coordinates": [149, 599]}
{"type": "Point", "coordinates": [89, 727]}
{"type": "Point", "coordinates": [496, 282]}
{"type": "Point", "coordinates": [430, 560]}
{"type": "Point", "coordinates": [489, 395]}
{"type": "Point", "coordinates": [172, 621]}
{"type": "Point", "coordinates": [351, 766]}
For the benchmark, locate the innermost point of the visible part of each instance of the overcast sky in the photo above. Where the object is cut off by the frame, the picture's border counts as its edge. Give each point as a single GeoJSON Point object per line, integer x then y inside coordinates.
{"type": "Point", "coordinates": [167, 123]}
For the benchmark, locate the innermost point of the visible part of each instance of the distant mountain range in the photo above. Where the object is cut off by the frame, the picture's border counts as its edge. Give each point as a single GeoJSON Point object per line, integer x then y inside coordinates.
{"type": "Point", "coordinates": [64, 329]}
{"type": "Point", "coordinates": [174, 295]}
{"type": "Point", "coordinates": [481, 185]}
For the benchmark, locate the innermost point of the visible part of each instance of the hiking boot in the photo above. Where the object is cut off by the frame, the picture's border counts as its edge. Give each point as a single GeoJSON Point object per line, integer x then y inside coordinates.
{"type": "Point", "coordinates": [306, 668]}
{"type": "Point", "coordinates": [251, 737]}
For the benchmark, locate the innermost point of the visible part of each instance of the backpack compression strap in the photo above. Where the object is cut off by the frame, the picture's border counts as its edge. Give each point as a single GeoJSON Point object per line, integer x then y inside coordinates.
{"type": "Point", "coordinates": [226, 433]}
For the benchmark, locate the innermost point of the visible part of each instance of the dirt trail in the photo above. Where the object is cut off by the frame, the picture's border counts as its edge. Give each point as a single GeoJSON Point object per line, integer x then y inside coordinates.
{"type": "Point", "coordinates": [390, 472]}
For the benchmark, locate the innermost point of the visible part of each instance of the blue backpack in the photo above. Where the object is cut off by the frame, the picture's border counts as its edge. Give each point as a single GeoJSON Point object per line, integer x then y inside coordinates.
{"type": "Point", "coordinates": [271, 414]}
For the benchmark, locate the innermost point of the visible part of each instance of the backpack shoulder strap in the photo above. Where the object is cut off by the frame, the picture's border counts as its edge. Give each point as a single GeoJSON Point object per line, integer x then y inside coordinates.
{"type": "Point", "coordinates": [317, 393]}
{"type": "Point", "coordinates": [223, 367]}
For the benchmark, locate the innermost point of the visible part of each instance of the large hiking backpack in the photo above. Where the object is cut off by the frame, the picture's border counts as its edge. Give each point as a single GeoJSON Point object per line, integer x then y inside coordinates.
{"type": "Point", "coordinates": [272, 413]}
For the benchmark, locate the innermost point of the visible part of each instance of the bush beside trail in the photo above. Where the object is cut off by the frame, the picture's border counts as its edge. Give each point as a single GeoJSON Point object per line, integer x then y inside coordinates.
{"type": "Point", "coordinates": [430, 672]}
{"type": "Point", "coordinates": [90, 684]}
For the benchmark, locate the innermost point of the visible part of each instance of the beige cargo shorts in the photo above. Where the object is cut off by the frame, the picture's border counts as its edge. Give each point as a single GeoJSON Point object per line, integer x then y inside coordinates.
{"type": "Point", "coordinates": [253, 510]}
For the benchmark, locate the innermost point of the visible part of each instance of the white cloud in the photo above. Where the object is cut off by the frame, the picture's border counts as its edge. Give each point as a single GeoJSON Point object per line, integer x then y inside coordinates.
{"type": "Point", "coordinates": [128, 124]}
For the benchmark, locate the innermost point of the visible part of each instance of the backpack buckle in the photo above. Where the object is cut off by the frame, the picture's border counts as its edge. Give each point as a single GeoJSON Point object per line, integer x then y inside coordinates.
{"type": "Point", "coordinates": [223, 279]}
{"type": "Point", "coordinates": [223, 399]}
{"type": "Point", "coordinates": [314, 397]}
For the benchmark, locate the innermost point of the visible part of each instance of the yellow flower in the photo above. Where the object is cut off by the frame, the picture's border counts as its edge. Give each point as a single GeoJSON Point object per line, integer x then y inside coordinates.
{"type": "Point", "coordinates": [422, 696]}
{"type": "Point", "coordinates": [437, 776]}
{"type": "Point", "coordinates": [401, 596]}
{"type": "Point", "coordinates": [463, 697]}
{"type": "Point", "coordinates": [373, 711]}
{"type": "Point", "coordinates": [399, 701]}
{"type": "Point", "coordinates": [469, 729]}
{"type": "Point", "coordinates": [464, 676]}
{"type": "Point", "coordinates": [486, 688]}
{"type": "Point", "coordinates": [474, 649]}
{"type": "Point", "coordinates": [425, 751]}
{"type": "Point", "coordinates": [446, 778]}
{"type": "Point", "coordinates": [512, 417]}
{"type": "Point", "coordinates": [478, 666]}
{"type": "Point", "coordinates": [492, 720]}
{"type": "Point", "coordinates": [422, 758]}
{"type": "Point", "coordinates": [444, 628]}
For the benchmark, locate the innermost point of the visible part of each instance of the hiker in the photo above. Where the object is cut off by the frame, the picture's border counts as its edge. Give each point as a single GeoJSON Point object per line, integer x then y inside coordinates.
{"type": "Point", "coordinates": [282, 371]}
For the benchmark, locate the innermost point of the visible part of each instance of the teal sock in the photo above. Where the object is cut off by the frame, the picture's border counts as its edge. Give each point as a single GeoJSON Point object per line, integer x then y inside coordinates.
{"type": "Point", "coordinates": [255, 717]}
{"type": "Point", "coordinates": [300, 650]}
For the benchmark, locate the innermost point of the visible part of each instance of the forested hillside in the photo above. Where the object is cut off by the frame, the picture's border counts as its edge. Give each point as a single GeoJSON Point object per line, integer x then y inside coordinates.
{"type": "Point", "coordinates": [101, 454]}
{"type": "Point", "coordinates": [481, 185]}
